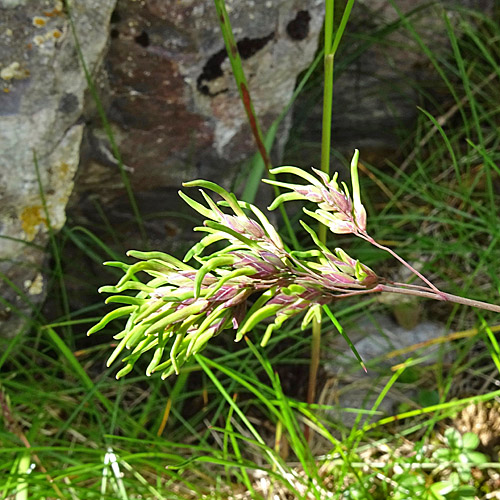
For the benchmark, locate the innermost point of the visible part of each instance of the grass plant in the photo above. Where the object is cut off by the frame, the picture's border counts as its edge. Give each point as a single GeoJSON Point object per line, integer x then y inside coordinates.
{"type": "Point", "coordinates": [231, 425]}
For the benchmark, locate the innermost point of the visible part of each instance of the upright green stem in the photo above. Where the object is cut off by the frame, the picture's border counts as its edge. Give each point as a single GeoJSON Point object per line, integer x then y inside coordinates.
{"type": "Point", "coordinates": [331, 46]}
{"type": "Point", "coordinates": [326, 134]}
{"type": "Point", "coordinates": [325, 167]}
{"type": "Point", "coordinates": [327, 114]}
{"type": "Point", "coordinates": [329, 17]}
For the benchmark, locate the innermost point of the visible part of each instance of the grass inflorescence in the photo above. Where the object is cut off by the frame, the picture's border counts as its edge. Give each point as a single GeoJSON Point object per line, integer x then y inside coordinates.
{"type": "Point", "coordinates": [231, 425]}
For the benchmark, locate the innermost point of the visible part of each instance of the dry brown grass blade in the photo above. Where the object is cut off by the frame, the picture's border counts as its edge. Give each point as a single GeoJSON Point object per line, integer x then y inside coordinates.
{"type": "Point", "coordinates": [438, 340]}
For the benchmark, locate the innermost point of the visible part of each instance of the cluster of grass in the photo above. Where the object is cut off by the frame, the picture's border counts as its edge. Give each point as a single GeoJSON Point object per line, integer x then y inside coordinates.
{"type": "Point", "coordinates": [448, 198]}
{"type": "Point", "coordinates": [232, 426]}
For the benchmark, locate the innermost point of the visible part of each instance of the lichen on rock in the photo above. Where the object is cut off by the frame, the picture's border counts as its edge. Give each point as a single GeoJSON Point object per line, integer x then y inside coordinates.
{"type": "Point", "coordinates": [41, 103]}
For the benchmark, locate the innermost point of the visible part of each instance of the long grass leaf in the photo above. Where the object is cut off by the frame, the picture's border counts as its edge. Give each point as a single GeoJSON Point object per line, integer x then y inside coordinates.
{"type": "Point", "coordinates": [106, 125]}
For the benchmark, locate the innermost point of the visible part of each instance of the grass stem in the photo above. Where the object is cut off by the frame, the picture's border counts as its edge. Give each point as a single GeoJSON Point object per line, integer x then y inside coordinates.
{"type": "Point", "coordinates": [331, 46]}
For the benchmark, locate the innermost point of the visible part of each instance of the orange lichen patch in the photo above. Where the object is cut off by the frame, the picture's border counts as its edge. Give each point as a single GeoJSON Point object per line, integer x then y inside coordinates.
{"type": "Point", "coordinates": [53, 13]}
{"type": "Point", "coordinates": [39, 21]}
{"type": "Point", "coordinates": [31, 217]}
{"type": "Point", "coordinates": [63, 169]}
{"type": "Point", "coordinates": [56, 33]}
{"type": "Point", "coordinates": [56, 11]}
{"type": "Point", "coordinates": [6, 90]}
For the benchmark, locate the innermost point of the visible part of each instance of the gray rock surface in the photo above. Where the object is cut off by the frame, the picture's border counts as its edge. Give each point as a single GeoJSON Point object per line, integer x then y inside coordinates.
{"type": "Point", "coordinates": [170, 94]}
{"type": "Point", "coordinates": [377, 339]}
{"type": "Point", "coordinates": [42, 90]}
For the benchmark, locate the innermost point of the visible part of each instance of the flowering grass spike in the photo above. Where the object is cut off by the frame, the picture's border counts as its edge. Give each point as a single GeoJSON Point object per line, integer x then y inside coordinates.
{"type": "Point", "coordinates": [179, 307]}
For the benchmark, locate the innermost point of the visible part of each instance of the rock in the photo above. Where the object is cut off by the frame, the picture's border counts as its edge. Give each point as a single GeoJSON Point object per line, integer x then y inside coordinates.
{"type": "Point", "coordinates": [41, 100]}
{"type": "Point", "coordinates": [171, 97]}
{"type": "Point", "coordinates": [374, 339]}
{"type": "Point", "coordinates": [167, 87]}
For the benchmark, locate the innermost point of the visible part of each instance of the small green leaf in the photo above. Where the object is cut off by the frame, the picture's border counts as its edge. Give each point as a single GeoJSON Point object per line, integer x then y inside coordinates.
{"type": "Point", "coordinates": [149, 310]}
{"type": "Point", "coordinates": [284, 197]}
{"type": "Point", "coordinates": [159, 257]}
{"type": "Point", "coordinates": [177, 316]}
{"type": "Point", "coordinates": [270, 329]}
{"type": "Point", "coordinates": [313, 312]}
{"type": "Point", "coordinates": [117, 351]}
{"type": "Point", "coordinates": [258, 304]}
{"type": "Point", "coordinates": [210, 265]}
{"type": "Point", "coordinates": [356, 194]}
{"type": "Point", "coordinates": [155, 361]}
{"type": "Point", "coordinates": [224, 229]}
{"type": "Point", "coordinates": [463, 492]}
{"type": "Point", "coordinates": [215, 209]}
{"type": "Point", "coordinates": [125, 371]}
{"type": "Point", "coordinates": [200, 342]}
{"type": "Point", "coordinates": [135, 336]}
{"type": "Point", "coordinates": [133, 285]}
{"type": "Point", "coordinates": [119, 265]}
{"type": "Point", "coordinates": [453, 438]}
{"type": "Point", "coordinates": [440, 489]}
{"type": "Point", "coordinates": [346, 338]}
{"type": "Point", "coordinates": [206, 324]}
{"type": "Point", "coordinates": [314, 237]}
{"type": "Point", "coordinates": [198, 207]}
{"type": "Point", "coordinates": [359, 271]}
{"type": "Point", "coordinates": [268, 227]}
{"type": "Point", "coordinates": [257, 317]}
{"type": "Point", "coordinates": [295, 171]}
{"type": "Point", "coordinates": [145, 266]}
{"type": "Point", "coordinates": [476, 458]}
{"type": "Point", "coordinates": [244, 271]}
{"type": "Point", "coordinates": [206, 241]}
{"type": "Point", "coordinates": [167, 366]}
{"type": "Point", "coordinates": [229, 197]}
{"type": "Point", "coordinates": [442, 455]}
{"type": "Point", "coordinates": [175, 350]}
{"type": "Point", "coordinates": [318, 217]}
{"type": "Point", "coordinates": [470, 441]}
{"type": "Point", "coordinates": [295, 289]}
{"type": "Point", "coordinates": [125, 299]}
{"type": "Point", "coordinates": [117, 313]}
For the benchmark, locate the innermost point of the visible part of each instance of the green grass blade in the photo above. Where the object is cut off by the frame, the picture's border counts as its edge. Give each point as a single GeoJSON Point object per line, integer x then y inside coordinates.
{"type": "Point", "coordinates": [492, 346]}
{"type": "Point", "coordinates": [346, 338]}
{"type": "Point", "coordinates": [107, 127]}
{"type": "Point", "coordinates": [204, 363]}
{"type": "Point", "coordinates": [446, 141]}
{"type": "Point", "coordinates": [55, 250]}
{"type": "Point", "coordinates": [340, 30]}
{"type": "Point", "coordinates": [240, 78]}
{"type": "Point", "coordinates": [77, 367]}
